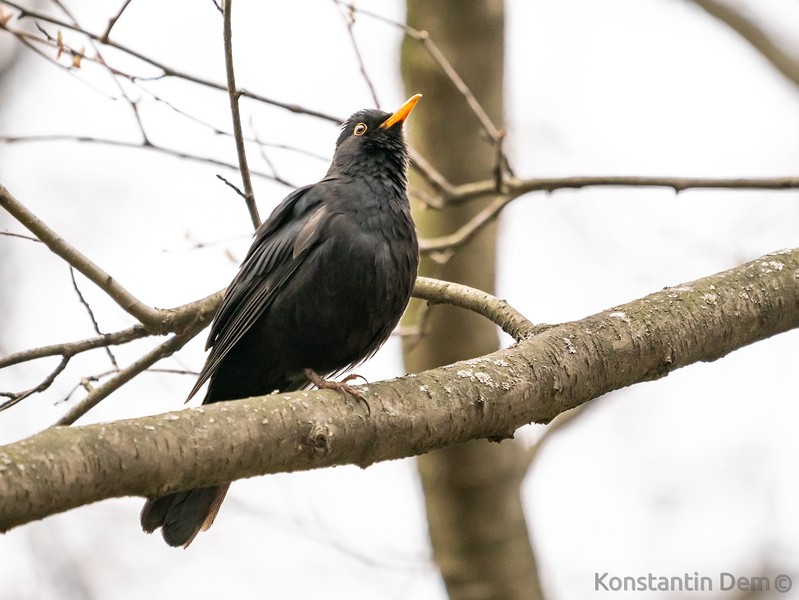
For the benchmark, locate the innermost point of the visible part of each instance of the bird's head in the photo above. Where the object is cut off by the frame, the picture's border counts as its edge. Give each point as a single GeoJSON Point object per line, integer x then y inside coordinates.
{"type": "Point", "coordinates": [372, 142]}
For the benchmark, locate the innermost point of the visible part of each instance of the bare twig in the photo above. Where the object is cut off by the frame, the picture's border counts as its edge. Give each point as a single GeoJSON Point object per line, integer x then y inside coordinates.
{"type": "Point", "coordinates": [231, 186]}
{"type": "Point", "coordinates": [149, 317]}
{"type": "Point", "coordinates": [134, 107]}
{"type": "Point", "coordinates": [233, 93]}
{"type": "Point", "coordinates": [154, 320]}
{"type": "Point", "coordinates": [72, 348]}
{"type": "Point", "coordinates": [94, 397]}
{"type": "Point", "coordinates": [435, 53]}
{"type": "Point", "coordinates": [436, 180]}
{"type": "Point", "coordinates": [262, 149]}
{"type": "Point", "coordinates": [461, 86]}
{"type": "Point", "coordinates": [24, 139]}
{"type": "Point", "coordinates": [113, 21]}
{"type": "Point", "coordinates": [15, 397]}
{"type": "Point", "coordinates": [419, 164]}
{"type": "Point", "coordinates": [348, 12]}
{"type": "Point", "coordinates": [166, 71]}
{"type": "Point", "coordinates": [517, 187]}
{"type": "Point", "coordinates": [93, 319]}
{"type": "Point", "coordinates": [468, 230]}
{"type": "Point", "coordinates": [761, 40]}
{"type": "Point", "coordinates": [21, 236]}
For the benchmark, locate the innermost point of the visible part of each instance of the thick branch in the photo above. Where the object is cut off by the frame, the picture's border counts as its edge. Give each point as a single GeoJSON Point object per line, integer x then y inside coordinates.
{"type": "Point", "coordinates": [488, 397]}
{"type": "Point", "coordinates": [499, 311]}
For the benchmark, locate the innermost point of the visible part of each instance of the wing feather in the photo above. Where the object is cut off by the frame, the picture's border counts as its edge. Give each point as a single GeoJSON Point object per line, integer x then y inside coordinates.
{"type": "Point", "coordinates": [272, 259]}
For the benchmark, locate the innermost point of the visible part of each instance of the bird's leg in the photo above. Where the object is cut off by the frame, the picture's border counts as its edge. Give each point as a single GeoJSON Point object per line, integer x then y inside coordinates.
{"type": "Point", "coordinates": [341, 386]}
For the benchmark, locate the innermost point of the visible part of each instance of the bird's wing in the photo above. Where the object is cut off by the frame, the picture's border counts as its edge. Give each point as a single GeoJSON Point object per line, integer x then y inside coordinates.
{"type": "Point", "coordinates": [279, 247]}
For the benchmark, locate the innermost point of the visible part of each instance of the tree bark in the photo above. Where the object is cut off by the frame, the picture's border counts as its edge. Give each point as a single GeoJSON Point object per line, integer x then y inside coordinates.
{"type": "Point", "coordinates": [487, 397]}
{"type": "Point", "coordinates": [472, 491]}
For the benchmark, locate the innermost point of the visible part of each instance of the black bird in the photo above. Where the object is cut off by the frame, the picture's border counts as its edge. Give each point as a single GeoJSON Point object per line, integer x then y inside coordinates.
{"type": "Point", "coordinates": [325, 281]}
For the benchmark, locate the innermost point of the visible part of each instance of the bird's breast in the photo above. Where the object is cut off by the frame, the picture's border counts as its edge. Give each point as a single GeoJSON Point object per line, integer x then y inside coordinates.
{"type": "Point", "coordinates": [360, 277]}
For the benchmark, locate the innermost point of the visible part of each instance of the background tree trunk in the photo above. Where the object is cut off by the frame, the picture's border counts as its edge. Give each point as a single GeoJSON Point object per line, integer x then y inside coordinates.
{"type": "Point", "coordinates": [472, 491]}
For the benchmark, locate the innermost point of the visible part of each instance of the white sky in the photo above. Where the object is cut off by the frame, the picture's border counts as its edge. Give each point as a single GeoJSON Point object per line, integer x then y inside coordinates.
{"type": "Point", "coordinates": [694, 473]}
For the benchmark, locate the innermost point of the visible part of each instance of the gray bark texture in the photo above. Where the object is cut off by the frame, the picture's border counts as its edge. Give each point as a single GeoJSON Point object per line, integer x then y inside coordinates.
{"type": "Point", "coordinates": [486, 397]}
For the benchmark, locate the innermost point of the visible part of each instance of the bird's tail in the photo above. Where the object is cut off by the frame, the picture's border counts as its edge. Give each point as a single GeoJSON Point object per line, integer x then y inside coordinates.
{"type": "Point", "coordinates": [182, 515]}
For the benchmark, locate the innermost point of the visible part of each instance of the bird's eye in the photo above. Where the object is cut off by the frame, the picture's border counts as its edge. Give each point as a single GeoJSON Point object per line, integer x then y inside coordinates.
{"type": "Point", "coordinates": [360, 129]}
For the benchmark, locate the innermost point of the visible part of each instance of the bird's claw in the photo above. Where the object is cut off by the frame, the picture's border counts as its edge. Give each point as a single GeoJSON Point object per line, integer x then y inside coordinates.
{"type": "Point", "coordinates": [341, 386]}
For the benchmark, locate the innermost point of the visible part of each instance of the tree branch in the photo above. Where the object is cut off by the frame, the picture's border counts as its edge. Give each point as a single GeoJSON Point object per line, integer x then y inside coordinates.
{"type": "Point", "coordinates": [516, 186]}
{"type": "Point", "coordinates": [762, 41]}
{"type": "Point", "coordinates": [69, 349]}
{"type": "Point", "coordinates": [94, 397]}
{"type": "Point", "coordinates": [166, 71]}
{"type": "Point", "coordinates": [488, 397]}
{"type": "Point", "coordinates": [156, 321]}
{"type": "Point", "coordinates": [150, 146]}
{"type": "Point", "coordinates": [468, 230]}
{"type": "Point", "coordinates": [16, 397]}
{"type": "Point", "coordinates": [499, 311]}
{"type": "Point", "coordinates": [149, 317]}
{"type": "Point", "coordinates": [113, 21]}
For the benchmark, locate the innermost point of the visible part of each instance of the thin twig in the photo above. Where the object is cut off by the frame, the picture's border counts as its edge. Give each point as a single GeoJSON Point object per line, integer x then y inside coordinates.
{"type": "Point", "coordinates": [94, 397]}
{"type": "Point", "coordinates": [517, 187]}
{"type": "Point", "coordinates": [435, 53]}
{"type": "Point", "coordinates": [419, 164]}
{"type": "Point", "coordinates": [249, 194]}
{"type": "Point", "coordinates": [16, 397]}
{"type": "Point", "coordinates": [21, 236]}
{"type": "Point", "coordinates": [72, 348]}
{"type": "Point", "coordinates": [113, 21]}
{"type": "Point", "coordinates": [423, 167]}
{"type": "Point", "coordinates": [22, 139]}
{"type": "Point", "coordinates": [514, 188]}
{"type": "Point", "coordinates": [760, 39]}
{"type": "Point", "coordinates": [149, 317]}
{"type": "Point", "coordinates": [166, 71]}
{"type": "Point", "coordinates": [132, 104]}
{"type": "Point", "coordinates": [93, 319]}
{"type": "Point", "coordinates": [232, 186]}
{"type": "Point", "coordinates": [468, 230]}
{"type": "Point", "coordinates": [348, 12]}
{"type": "Point", "coordinates": [262, 148]}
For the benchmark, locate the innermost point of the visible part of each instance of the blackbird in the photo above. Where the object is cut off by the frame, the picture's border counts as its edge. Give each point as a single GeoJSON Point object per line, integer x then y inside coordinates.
{"type": "Point", "coordinates": [324, 283]}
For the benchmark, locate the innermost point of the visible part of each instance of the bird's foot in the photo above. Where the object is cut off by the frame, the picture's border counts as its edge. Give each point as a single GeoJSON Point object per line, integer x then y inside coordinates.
{"type": "Point", "coordinates": [341, 386]}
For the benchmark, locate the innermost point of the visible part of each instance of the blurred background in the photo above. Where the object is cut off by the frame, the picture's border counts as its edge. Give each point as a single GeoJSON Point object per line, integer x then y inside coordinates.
{"type": "Point", "coordinates": [693, 473]}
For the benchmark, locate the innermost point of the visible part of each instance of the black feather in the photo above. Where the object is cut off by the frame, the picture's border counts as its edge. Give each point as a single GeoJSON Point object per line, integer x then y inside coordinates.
{"type": "Point", "coordinates": [325, 281]}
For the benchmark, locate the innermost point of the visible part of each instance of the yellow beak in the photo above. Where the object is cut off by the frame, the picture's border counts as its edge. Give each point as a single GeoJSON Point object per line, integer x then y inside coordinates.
{"type": "Point", "coordinates": [403, 112]}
